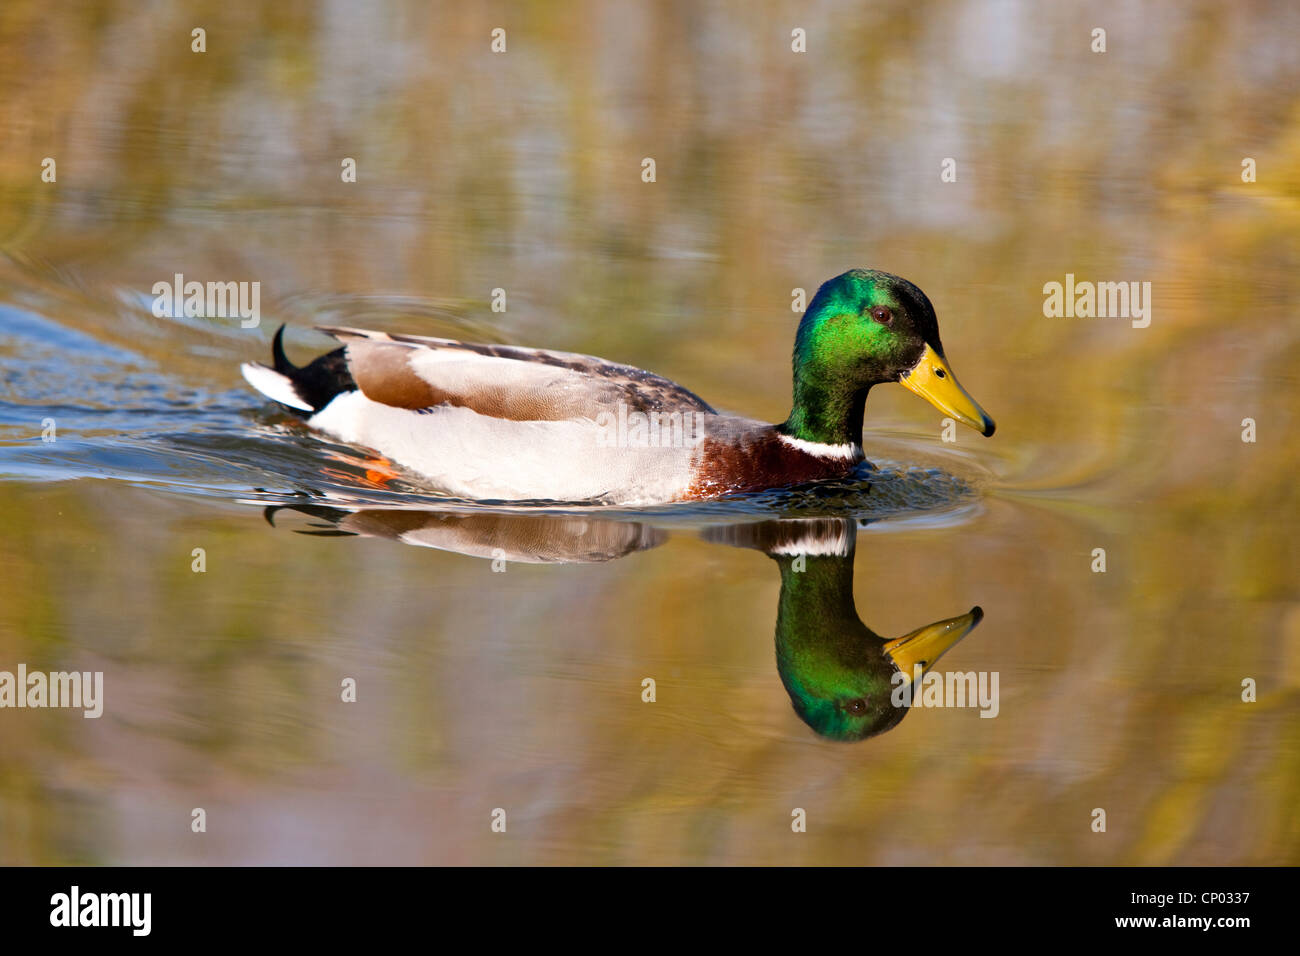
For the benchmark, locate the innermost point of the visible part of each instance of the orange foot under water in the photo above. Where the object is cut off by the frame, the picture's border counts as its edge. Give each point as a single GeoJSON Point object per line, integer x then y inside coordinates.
{"type": "Point", "coordinates": [379, 471]}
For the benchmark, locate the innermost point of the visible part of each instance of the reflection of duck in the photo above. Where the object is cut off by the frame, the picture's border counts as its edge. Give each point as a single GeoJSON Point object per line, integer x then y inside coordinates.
{"type": "Point", "coordinates": [508, 423]}
{"type": "Point", "coordinates": [839, 673]}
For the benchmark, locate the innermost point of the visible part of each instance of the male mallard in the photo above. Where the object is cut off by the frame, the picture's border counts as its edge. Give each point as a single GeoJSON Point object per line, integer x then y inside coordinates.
{"type": "Point", "coordinates": [508, 423]}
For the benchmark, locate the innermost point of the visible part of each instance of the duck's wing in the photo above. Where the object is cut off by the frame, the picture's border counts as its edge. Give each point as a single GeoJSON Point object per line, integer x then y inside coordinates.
{"type": "Point", "coordinates": [502, 381]}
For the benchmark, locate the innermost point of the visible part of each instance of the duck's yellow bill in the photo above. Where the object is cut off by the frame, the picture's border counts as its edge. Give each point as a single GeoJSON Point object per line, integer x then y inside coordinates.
{"type": "Point", "coordinates": [933, 380]}
{"type": "Point", "coordinates": [926, 645]}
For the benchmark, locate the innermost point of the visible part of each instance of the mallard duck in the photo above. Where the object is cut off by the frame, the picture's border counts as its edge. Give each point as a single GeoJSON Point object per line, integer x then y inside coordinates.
{"type": "Point", "coordinates": [499, 422]}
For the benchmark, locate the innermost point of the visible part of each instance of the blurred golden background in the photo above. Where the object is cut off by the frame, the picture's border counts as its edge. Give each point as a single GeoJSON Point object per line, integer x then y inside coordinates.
{"type": "Point", "coordinates": [774, 170]}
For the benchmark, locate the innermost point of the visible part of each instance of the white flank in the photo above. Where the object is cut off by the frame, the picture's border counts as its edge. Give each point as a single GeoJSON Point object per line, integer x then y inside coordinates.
{"type": "Point", "coordinates": [273, 385]}
{"type": "Point", "coordinates": [480, 457]}
{"type": "Point", "coordinates": [848, 450]}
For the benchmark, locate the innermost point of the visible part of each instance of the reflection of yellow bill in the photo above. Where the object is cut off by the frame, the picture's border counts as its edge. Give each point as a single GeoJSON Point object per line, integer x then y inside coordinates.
{"type": "Point", "coordinates": [926, 645]}
{"type": "Point", "coordinates": [933, 380]}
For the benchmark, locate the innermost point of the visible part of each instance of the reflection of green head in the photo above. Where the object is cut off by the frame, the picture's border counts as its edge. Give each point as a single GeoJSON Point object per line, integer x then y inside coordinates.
{"type": "Point", "coordinates": [833, 666]}
{"type": "Point", "coordinates": [838, 672]}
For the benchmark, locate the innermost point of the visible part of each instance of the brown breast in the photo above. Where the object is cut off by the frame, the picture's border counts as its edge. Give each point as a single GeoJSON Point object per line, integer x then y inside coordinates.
{"type": "Point", "coordinates": [757, 461]}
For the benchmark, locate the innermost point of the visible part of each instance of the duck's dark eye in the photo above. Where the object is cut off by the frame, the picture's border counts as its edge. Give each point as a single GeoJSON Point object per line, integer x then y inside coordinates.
{"type": "Point", "coordinates": [882, 315]}
{"type": "Point", "coordinates": [856, 707]}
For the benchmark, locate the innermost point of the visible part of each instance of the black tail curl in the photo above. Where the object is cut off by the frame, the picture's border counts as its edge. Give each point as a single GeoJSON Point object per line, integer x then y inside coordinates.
{"type": "Point", "coordinates": [319, 381]}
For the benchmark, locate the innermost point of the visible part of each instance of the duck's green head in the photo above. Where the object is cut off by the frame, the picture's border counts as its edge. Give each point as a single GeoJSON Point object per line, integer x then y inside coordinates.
{"type": "Point", "coordinates": [866, 328]}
